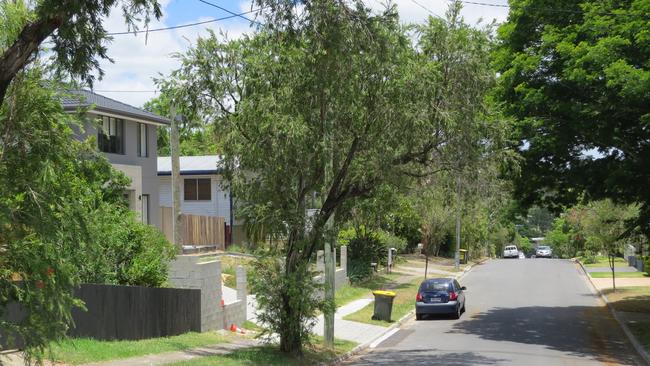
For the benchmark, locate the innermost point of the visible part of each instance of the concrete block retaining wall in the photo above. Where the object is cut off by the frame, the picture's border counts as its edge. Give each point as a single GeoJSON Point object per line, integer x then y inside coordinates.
{"type": "Point", "coordinates": [188, 271]}
{"type": "Point", "coordinates": [193, 271]}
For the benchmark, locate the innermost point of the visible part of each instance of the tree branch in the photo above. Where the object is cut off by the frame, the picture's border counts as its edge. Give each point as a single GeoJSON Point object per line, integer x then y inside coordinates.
{"type": "Point", "coordinates": [15, 57]}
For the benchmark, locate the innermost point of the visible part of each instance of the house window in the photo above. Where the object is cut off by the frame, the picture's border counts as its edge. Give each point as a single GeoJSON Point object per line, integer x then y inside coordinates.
{"type": "Point", "coordinates": [110, 136]}
{"type": "Point", "coordinates": [145, 208]}
{"type": "Point", "coordinates": [142, 140]}
{"type": "Point", "coordinates": [197, 190]}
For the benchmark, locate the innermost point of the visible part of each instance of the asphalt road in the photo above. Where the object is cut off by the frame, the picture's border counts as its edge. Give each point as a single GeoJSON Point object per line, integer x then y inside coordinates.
{"type": "Point", "coordinates": [519, 312]}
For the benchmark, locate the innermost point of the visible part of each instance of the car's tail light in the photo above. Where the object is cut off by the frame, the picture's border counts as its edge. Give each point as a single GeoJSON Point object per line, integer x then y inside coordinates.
{"type": "Point", "coordinates": [453, 296]}
{"type": "Point", "coordinates": [418, 297]}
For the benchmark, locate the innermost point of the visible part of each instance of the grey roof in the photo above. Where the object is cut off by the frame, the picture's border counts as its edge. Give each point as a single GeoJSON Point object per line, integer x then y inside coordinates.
{"type": "Point", "coordinates": [73, 99]}
{"type": "Point", "coordinates": [190, 165]}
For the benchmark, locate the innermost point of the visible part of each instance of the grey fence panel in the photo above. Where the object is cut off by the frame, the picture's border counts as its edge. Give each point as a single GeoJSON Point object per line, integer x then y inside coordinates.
{"type": "Point", "coordinates": [127, 312]}
{"type": "Point", "coordinates": [132, 312]}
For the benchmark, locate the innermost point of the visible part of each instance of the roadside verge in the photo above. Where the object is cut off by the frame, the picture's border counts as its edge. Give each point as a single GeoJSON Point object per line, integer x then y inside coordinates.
{"type": "Point", "coordinates": [635, 343]}
{"type": "Point", "coordinates": [391, 329]}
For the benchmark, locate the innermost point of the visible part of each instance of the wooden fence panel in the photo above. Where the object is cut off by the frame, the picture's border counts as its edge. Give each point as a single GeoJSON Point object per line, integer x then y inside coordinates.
{"type": "Point", "coordinates": [197, 229]}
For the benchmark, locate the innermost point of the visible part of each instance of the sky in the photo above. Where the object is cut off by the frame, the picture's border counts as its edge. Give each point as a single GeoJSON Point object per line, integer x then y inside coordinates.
{"type": "Point", "coordinates": [138, 59]}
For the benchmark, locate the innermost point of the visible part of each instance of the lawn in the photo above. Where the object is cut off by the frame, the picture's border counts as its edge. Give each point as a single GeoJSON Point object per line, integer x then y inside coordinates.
{"type": "Point", "coordinates": [83, 350]}
{"type": "Point", "coordinates": [604, 262]}
{"type": "Point", "coordinates": [403, 303]}
{"type": "Point", "coordinates": [364, 289]}
{"type": "Point", "coordinates": [632, 299]}
{"type": "Point", "coordinates": [270, 355]}
{"type": "Point", "coordinates": [618, 274]}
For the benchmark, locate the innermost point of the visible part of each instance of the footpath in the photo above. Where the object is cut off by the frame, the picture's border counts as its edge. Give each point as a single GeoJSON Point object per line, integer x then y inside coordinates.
{"type": "Point", "coordinates": [629, 303]}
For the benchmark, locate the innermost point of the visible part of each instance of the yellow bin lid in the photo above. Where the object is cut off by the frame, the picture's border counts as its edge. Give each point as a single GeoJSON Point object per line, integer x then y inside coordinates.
{"type": "Point", "coordinates": [384, 293]}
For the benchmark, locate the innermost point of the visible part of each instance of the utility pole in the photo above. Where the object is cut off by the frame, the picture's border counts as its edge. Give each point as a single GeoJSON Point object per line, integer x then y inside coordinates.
{"type": "Point", "coordinates": [330, 261]}
{"type": "Point", "coordinates": [177, 219]}
{"type": "Point", "coordinates": [457, 252]}
{"type": "Point", "coordinates": [330, 268]}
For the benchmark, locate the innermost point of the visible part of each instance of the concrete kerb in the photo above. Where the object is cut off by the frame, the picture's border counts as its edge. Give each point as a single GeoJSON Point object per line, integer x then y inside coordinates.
{"type": "Point", "coordinates": [362, 347]}
{"type": "Point", "coordinates": [635, 343]}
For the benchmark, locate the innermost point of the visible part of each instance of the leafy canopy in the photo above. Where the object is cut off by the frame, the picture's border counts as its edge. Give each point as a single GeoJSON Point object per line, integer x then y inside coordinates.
{"type": "Point", "coordinates": [577, 78]}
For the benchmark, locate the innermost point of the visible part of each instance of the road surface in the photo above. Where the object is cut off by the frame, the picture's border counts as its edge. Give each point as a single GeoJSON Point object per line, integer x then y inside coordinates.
{"type": "Point", "coordinates": [519, 312]}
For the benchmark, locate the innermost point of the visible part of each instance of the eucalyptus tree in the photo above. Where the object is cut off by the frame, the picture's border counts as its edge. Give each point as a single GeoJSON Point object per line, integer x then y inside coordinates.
{"type": "Point", "coordinates": [456, 58]}
{"type": "Point", "coordinates": [326, 100]}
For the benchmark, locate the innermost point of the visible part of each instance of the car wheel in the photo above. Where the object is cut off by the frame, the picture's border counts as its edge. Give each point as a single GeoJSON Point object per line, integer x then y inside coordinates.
{"type": "Point", "coordinates": [418, 316]}
{"type": "Point", "coordinates": [457, 313]}
{"type": "Point", "coordinates": [464, 310]}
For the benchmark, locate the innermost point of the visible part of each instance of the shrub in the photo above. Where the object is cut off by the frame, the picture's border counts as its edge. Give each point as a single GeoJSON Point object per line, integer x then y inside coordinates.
{"type": "Point", "coordinates": [588, 257]}
{"type": "Point", "coordinates": [389, 240]}
{"type": "Point", "coordinates": [365, 247]}
{"type": "Point", "coordinates": [125, 251]}
{"type": "Point", "coordinates": [286, 301]}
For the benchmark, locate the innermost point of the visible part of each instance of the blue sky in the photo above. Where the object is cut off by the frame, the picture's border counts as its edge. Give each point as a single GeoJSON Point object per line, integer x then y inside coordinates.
{"type": "Point", "coordinates": [139, 59]}
{"type": "Point", "coordinates": [180, 11]}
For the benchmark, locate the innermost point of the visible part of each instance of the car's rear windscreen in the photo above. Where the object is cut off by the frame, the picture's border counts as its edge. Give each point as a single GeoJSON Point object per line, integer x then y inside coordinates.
{"type": "Point", "coordinates": [434, 286]}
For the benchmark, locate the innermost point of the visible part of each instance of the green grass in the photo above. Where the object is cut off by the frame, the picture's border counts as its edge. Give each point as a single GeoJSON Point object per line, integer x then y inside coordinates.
{"type": "Point", "coordinates": [229, 265]}
{"type": "Point", "coordinates": [249, 325]}
{"type": "Point", "coordinates": [351, 292]}
{"type": "Point", "coordinates": [403, 303]}
{"type": "Point", "coordinates": [83, 350]}
{"type": "Point", "coordinates": [270, 355]}
{"type": "Point", "coordinates": [618, 274]}
{"type": "Point", "coordinates": [604, 262]}
{"type": "Point", "coordinates": [631, 299]}
{"type": "Point", "coordinates": [231, 278]}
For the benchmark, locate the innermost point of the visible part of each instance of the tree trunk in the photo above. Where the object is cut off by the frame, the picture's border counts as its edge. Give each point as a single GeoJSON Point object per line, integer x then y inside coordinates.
{"type": "Point", "coordinates": [426, 265]}
{"type": "Point", "coordinates": [611, 265]}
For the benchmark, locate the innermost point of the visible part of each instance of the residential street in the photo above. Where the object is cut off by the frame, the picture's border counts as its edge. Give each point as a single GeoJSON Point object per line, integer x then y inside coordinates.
{"type": "Point", "coordinates": [519, 312]}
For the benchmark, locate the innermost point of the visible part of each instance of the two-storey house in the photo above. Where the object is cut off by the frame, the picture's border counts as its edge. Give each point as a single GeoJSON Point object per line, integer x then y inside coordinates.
{"type": "Point", "coordinates": [127, 136]}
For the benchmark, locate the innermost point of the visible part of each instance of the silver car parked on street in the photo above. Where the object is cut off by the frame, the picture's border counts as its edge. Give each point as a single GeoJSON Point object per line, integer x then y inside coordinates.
{"type": "Point", "coordinates": [544, 251]}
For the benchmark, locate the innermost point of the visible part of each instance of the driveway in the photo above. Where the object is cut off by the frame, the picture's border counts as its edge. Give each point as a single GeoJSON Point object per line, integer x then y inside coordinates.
{"type": "Point", "coordinates": [519, 312]}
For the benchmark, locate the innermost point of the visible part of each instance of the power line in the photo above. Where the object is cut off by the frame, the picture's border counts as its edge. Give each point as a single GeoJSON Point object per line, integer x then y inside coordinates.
{"type": "Point", "coordinates": [427, 9]}
{"type": "Point", "coordinates": [230, 12]}
{"type": "Point", "coordinates": [506, 6]}
{"type": "Point", "coordinates": [183, 25]}
{"type": "Point", "coordinates": [483, 4]}
{"type": "Point", "coordinates": [126, 91]}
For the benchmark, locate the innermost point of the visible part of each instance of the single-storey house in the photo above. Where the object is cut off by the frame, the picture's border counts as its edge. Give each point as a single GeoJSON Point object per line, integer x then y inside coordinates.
{"type": "Point", "coordinates": [127, 136]}
{"type": "Point", "coordinates": [203, 192]}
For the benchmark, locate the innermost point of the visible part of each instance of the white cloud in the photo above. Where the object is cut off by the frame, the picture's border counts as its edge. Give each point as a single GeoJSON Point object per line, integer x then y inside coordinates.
{"type": "Point", "coordinates": [137, 62]}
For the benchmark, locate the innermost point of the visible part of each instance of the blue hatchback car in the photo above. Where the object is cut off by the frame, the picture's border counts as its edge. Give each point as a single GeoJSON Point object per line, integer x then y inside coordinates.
{"type": "Point", "coordinates": [440, 296]}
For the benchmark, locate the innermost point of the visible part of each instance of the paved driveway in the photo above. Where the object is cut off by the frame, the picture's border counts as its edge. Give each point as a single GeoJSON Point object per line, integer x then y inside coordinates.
{"type": "Point", "coordinates": [519, 312]}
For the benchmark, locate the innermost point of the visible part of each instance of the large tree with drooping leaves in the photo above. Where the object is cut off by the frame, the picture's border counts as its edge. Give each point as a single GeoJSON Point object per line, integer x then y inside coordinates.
{"type": "Point", "coordinates": [321, 106]}
{"type": "Point", "coordinates": [576, 75]}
